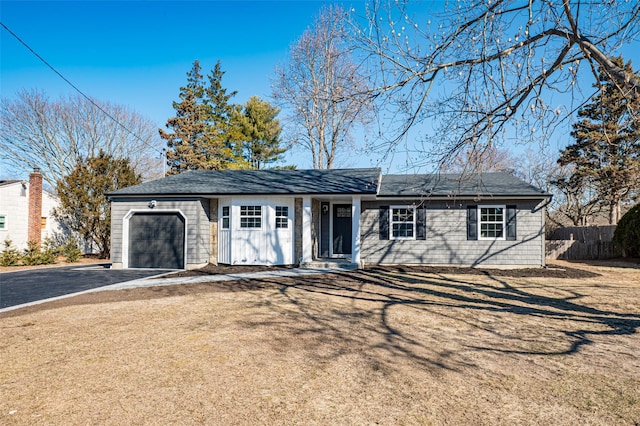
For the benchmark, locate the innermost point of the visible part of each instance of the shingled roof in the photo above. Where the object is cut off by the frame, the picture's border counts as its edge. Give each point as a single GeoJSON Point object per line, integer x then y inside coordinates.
{"type": "Point", "coordinates": [8, 182]}
{"type": "Point", "coordinates": [335, 181]}
{"type": "Point", "coordinates": [456, 185]}
{"type": "Point", "coordinates": [260, 182]}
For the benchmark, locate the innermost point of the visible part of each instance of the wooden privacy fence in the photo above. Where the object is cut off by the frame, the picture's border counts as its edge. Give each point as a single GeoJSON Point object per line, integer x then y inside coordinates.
{"type": "Point", "coordinates": [583, 233]}
{"type": "Point", "coordinates": [582, 243]}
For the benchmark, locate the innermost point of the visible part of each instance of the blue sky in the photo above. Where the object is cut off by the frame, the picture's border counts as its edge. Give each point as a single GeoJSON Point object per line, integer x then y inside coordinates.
{"type": "Point", "coordinates": [136, 53]}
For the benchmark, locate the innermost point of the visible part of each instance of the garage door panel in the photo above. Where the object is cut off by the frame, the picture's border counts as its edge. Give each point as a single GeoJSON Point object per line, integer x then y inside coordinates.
{"type": "Point", "coordinates": [156, 241]}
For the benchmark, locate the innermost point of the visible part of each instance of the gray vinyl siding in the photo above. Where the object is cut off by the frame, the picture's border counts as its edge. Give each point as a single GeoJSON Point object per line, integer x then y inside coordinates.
{"type": "Point", "coordinates": [446, 237]}
{"type": "Point", "coordinates": [196, 211]}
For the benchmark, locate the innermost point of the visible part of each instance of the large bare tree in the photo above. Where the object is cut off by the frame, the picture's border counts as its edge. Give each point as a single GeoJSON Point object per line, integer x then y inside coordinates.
{"type": "Point", "coordinates": [322, 90]}
{"type": "Point", "coordinates": [55, 135]}
{"type": "Point", "coordinates": [575, 198]}
{"type": "Point", "coordinates": [486, 159]}
{"type": "Point", "coordinates": [482, 70]}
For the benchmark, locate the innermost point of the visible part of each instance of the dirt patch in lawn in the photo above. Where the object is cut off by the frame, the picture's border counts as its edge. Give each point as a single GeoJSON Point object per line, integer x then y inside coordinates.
{"type": "Point", "coordinates": [553, 270]}
{"type": "Point", "coordinates": [212, 269]}
{"type": "Point", "coordinates": [383, 346]}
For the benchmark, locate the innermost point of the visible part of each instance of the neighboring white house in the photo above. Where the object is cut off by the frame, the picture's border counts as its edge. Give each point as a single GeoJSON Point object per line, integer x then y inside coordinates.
{"type": "Point", "coordinates": [26, 212]}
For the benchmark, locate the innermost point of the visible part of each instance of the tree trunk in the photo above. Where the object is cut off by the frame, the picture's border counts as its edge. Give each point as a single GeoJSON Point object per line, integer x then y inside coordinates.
{"type": "Point", "coordinates": [614, 212]}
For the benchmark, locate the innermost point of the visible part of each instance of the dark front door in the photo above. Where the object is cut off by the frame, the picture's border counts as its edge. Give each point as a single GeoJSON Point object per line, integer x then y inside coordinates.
{"type": "Point", "coordinates": [156, 240]}
{"type": "Point", "coordinates": [342, 229]}
{"type": "Point", "coordinates": [325, 233]}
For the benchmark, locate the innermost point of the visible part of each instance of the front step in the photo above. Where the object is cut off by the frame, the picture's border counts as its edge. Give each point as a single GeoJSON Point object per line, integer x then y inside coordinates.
{"type": "Point", "coordinates": [330, 264]}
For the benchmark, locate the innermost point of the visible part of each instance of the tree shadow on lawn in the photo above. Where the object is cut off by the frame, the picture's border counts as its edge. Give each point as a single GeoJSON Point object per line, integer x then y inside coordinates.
{"type": "Point", "coordinates": [436, 318]}
{"type": "Point", "coordinates": [523, 320]}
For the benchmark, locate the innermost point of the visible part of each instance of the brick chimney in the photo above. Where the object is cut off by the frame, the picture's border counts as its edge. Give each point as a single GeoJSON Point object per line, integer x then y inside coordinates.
{"type": "Point", "coordinates": [35, 206]}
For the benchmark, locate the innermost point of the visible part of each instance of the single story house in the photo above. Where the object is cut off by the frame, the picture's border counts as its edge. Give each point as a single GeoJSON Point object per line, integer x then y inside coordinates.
{"type": "Point", "coordinates": [26, 212]}
{"type": "Point", "coordinates": [276, 217]}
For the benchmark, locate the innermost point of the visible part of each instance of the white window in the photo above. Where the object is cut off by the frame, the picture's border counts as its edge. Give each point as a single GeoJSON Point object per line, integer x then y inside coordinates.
{"type": "Point", "coordinates": [491, 219]}
{"type": "Point", "coordinates": [225, 217]}
{"type": "Point", "coordinates": [250, 216]}
{"type": "Point", "coordinates": [282, 217]}
{"type": "Point", "coordinates": [403, 222]}
{"type": "Point", "coordinates": [3, 221]}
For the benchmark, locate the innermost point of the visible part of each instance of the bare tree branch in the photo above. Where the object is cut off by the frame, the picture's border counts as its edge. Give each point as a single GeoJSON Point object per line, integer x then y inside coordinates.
{"type": "Point", "coordinates": [322, 90]}
{"type": "Point", "coordinates": [55, 136]}
{"type": "Point", "coordinates": [485, 71]}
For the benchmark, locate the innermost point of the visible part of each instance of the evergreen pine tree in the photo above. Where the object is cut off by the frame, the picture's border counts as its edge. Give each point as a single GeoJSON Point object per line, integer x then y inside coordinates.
{"type": "Point", "coordinates": [260, 138]}
{"type": "Point", "coordinates": [606, 151]}
{"type": "Point", "coordinates": [203, 136]}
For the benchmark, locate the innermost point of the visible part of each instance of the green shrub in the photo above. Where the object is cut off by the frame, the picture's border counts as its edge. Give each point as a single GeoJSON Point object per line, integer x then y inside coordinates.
{"type": "Point", "coordinates": [34, 255]}
{"type": "Point", "coordinates": [10, 256]}
{"type": "Point", "coordinates": [71, 250]}
{"type": "Point", "coordinates": [48, 252]}
{"type": "Point", "coordinates": [627, 234]}
{"type": "Point", "coordinates": [31, 255]}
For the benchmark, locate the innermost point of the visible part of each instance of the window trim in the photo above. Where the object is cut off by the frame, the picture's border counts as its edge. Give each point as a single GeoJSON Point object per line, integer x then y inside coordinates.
{"type": "Point", "coordinates": [225, 216]}
{"type": "Point", "coordinates": [504, 221]}
{"type": "Point", "coordinates": [281, 216]}
{"type": "Point", "coordinates": [391, 222]}
{"type": "Point", "coordinates": [251, 228]}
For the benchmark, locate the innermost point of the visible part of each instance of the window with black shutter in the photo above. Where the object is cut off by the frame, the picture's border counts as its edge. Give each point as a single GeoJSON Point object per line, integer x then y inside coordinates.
{"type": "Point", "coordinates": [491, 220]}
{"type": "Point", "coordinates": [402, 223]}
{"type": "Point", "coordinates": [491, 223]}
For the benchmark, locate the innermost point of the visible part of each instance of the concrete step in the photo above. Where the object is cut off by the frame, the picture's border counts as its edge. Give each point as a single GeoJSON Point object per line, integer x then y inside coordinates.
{"type": "Point", "coordinates": [331, 264]}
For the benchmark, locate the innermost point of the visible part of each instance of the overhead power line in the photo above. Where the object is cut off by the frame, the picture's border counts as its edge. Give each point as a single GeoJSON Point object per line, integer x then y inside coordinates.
{"type": "Point", "coordinates": [78, 90]}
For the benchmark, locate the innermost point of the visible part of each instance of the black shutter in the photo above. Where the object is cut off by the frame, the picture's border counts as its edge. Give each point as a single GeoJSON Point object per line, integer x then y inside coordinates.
{"type": "Point", "coordinates": [383, 223]}
{"type": "Point", "coordinates": [421, 223]}
{"type": "Point", "coordinates": [511, 223]}
{"type": "Point", "coordinates": [472, 222]}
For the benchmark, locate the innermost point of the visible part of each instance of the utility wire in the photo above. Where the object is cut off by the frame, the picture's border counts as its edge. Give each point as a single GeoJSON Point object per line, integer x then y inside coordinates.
{"type": "Point", "coordinates": [78, 90]}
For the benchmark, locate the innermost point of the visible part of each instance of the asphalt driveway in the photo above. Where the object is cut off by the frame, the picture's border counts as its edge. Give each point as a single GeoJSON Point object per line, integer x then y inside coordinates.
{"type": "Point", "coordinates": [17, 288]}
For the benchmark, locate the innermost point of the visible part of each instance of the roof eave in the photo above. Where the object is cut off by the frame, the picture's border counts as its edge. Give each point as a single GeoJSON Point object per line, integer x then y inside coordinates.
{"type": "Point", "coordinates": [234, 194]}
{"type": "Point", "coordinates": [467, 196]}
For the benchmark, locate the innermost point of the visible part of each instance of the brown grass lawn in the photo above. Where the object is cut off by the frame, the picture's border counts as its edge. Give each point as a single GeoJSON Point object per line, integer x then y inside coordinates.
{"type": "Point", "coordinates": [378, 346]}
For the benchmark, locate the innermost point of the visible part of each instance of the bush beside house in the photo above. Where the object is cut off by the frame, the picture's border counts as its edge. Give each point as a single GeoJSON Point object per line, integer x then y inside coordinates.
{"type": "Point", "coordinates": [627, 234]}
